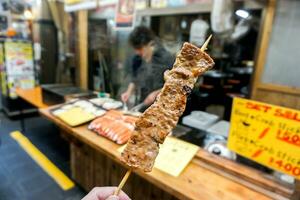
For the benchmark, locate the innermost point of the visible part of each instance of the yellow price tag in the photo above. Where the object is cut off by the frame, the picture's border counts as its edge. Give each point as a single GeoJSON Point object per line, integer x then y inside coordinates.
{"type": "Point", "coordinates": [267, 134]}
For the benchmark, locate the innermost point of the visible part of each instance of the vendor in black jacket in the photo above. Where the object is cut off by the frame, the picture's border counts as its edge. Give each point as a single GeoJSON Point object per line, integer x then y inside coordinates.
{"type": "Point", "coordinates": [147, 66]}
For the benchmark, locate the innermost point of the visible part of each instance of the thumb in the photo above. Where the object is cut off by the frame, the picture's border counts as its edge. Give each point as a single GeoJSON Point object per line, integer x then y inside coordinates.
{"type": "Point", "coordinates": [113, 197]}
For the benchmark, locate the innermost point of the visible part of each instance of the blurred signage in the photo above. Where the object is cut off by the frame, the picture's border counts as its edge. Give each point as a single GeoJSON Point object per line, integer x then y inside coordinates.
{"type": "Point", "coordinates": [2, 72]}
{"type": "Point", "coordinates": [75, 5]}
{"type": "Point", "coordinates": [1, 57]}
{"type": "Point", "coordinates": [125, 14]}
{"type": "Point", "coordinates": [267, 134]}
{"type": "Point", "coordinates": [141, 4]}
{"type": "Point", "coordinates": [107, 2]}
{"type": "Point", "coordinates": [19, 66]}
{"type": "Point", "coordinates": [159, 3]}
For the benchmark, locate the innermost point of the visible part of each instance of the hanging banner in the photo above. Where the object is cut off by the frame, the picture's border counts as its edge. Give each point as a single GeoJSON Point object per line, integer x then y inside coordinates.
{"type": "Point", "coordinates": [75, 5]}
{"type": "Point", "coordinates": [125, 14]}
{"type": "Point", "coordinates": [267, 134]}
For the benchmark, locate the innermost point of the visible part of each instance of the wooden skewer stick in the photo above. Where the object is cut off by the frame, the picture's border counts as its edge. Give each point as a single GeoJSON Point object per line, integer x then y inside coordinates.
{"type": "Point", "coordinates": [203, 48]}
{"type": "Point", "coordinates": [117, 191]}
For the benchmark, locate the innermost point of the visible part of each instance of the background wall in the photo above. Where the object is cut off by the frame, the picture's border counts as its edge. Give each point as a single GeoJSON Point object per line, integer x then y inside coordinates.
{"type": "Point", "coordinates": [282, 62]}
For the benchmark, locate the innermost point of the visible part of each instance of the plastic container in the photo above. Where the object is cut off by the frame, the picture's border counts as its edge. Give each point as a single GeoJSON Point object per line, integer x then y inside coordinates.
{"type": "Point", "coordinates": [220, 128]}
{"type": "Point", "coordinates": [200, 120]}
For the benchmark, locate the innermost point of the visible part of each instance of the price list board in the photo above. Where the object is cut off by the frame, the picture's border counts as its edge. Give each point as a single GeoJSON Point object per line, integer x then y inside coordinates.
{"type": "Point", "coordinates": [267, 134]}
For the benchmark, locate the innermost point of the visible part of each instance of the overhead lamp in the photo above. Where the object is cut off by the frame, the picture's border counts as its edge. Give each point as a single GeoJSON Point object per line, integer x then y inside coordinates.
{"type": "Point", "coordinates": [28, 14]}
{"type": "Point", "coordinates": [242, 13]}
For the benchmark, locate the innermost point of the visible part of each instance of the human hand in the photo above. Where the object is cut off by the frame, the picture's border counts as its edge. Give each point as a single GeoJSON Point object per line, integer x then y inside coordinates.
{"type": "Point", "coordinates": [105, 193]}
{"type": "Point", "coordinates": [125, 96]}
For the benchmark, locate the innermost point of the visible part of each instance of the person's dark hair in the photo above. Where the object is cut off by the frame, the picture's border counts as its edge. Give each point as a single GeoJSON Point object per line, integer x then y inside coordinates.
{"type": "Point", "coordinates": [140, 36]}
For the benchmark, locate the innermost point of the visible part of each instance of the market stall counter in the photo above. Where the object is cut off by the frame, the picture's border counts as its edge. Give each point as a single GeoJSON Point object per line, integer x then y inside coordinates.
{"type": "Point", "coordinates": [33, 96]}
{"type": "Point", "coordinates": [95, 162]}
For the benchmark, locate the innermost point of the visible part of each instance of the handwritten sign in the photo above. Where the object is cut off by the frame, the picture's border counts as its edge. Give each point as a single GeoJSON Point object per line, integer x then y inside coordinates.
{"type": "Point", "coordinates": [174, 155]}
{"type": "Point", "coordinates": [267, 134]}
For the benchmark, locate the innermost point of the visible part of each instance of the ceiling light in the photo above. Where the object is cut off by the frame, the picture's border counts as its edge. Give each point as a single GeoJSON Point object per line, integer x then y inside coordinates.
{"type": "Point", "coordinates": [28, 14]}
{"type": "Point", "coordinates": [242, 13]}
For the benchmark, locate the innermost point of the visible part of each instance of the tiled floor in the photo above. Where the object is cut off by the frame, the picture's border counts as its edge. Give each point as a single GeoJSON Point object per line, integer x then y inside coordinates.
{"type": "Point", "coordinates": [20, 177]}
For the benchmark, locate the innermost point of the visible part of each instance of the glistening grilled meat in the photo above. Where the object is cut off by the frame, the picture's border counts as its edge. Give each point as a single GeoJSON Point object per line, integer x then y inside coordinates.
{"type": "Point", "coordinates": [162, 116]}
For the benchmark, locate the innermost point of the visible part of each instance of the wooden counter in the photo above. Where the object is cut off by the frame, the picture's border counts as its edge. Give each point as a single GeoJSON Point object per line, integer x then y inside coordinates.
{"type": "Point", "coordinates": [33, 96]}
{"type": "Point", "coordinates": [95, 162]}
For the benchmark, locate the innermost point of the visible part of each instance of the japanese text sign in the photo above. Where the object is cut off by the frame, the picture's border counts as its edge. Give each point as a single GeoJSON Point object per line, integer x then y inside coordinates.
{"type": "Point", "coordinates": [267, 134]}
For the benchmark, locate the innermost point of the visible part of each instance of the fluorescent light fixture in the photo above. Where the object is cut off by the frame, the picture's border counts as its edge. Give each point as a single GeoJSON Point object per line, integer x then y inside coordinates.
{"type": "Point", "coordinates": [242, 13]}
{"type": "Point", "coordinates": [28, 14]}
{"type": "Point", "coordinates": [111, 22]}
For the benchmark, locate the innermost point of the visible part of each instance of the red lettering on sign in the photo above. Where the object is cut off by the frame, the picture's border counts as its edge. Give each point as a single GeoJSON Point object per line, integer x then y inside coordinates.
{"type": "Point", "coordinates": [258, 107]}
{"type": "Point", "coordinates": [263, 133]}
{"type": "Point", "coordinates": [287, 167]}
{"type": "Point", "coordinates": [287, 114]}
{"type": "Point", "coordinates": [257, 153]}
{"type": "Point", "coordinates": [279, 163]}
{"type": "Point", "coordinates": [296, 171]}
{"type": "Point", "coordinates": [288, 137]}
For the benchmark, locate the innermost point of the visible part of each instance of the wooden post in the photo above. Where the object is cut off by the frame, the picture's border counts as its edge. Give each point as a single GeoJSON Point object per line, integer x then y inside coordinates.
{"type": "Point", "coordinates": [296, 194]}
{"type": "Point", "coordinates": [262, 48]}
{"type": "Point", "coordinates": [82, 70]}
